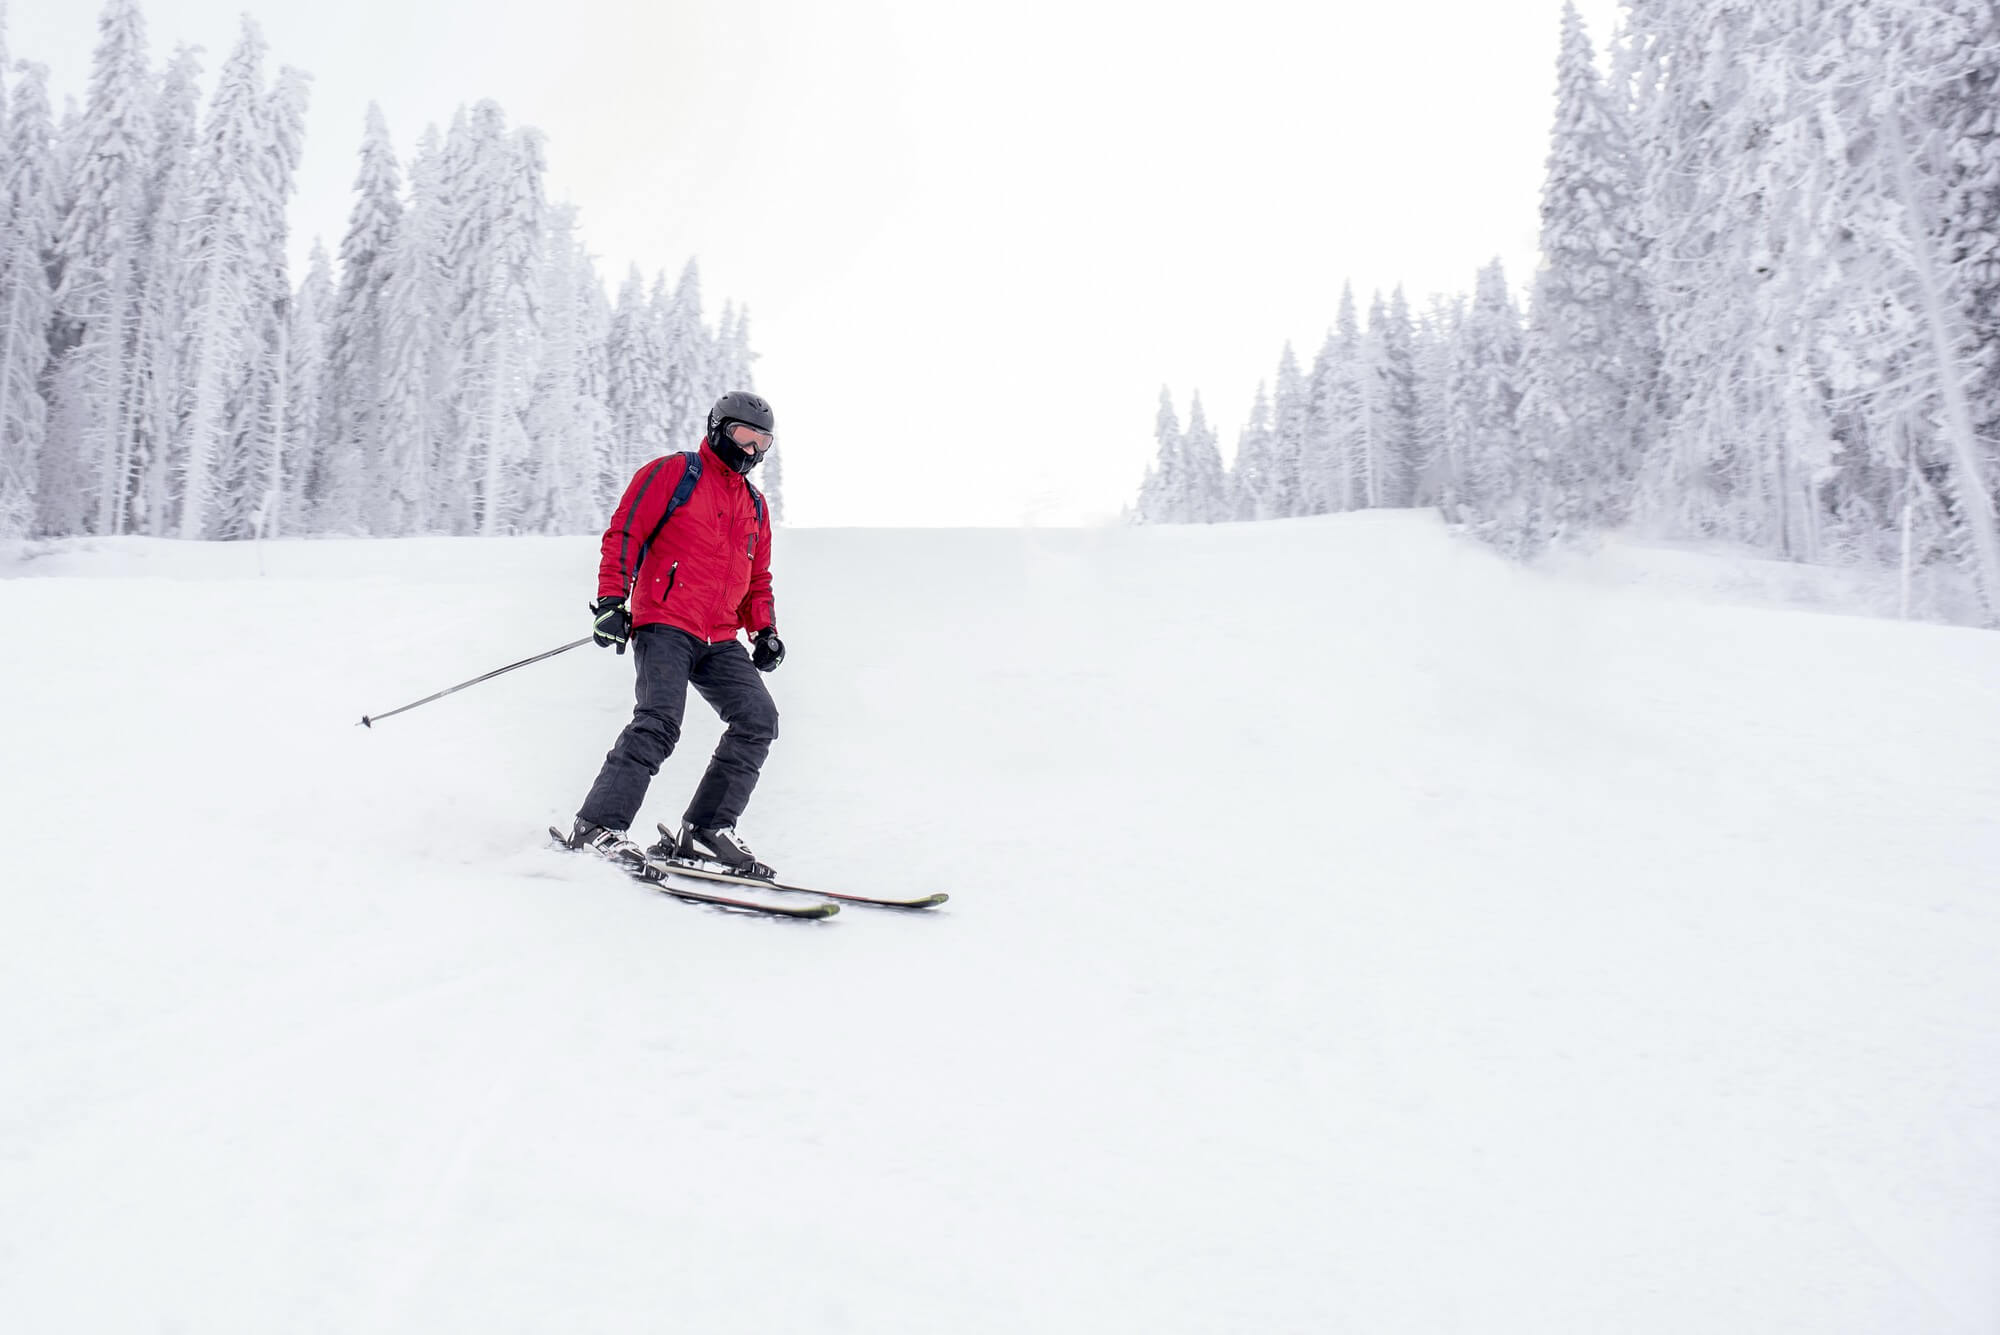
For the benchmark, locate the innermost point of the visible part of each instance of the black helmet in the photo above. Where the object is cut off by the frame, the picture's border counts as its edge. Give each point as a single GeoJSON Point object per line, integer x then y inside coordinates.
{"type": "Point", "coordinates": [739, 405]}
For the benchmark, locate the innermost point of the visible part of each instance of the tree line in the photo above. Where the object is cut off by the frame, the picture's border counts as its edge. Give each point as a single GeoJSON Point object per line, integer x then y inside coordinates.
{"type": "Point", "coordinates": [459, 369]}
{"type": "Point", "coordinates": [1767, 310]}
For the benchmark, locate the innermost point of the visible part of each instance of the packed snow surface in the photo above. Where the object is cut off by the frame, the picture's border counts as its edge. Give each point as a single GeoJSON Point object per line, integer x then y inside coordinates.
{"type": "Point", "coordinates": [1349, 932]}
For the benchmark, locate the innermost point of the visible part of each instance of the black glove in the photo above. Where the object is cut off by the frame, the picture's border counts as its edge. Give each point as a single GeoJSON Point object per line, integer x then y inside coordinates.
{"type": "Point", "coordinates": [610, 623]}
{"type": "Point", "coordinates": [769, 650]}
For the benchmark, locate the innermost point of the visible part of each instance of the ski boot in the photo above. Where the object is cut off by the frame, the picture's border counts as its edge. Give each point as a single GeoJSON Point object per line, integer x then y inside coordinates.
{"type": "Point", "coordinates": [694, 844]}
{"type": "Point", "coordinates": [606, 843]}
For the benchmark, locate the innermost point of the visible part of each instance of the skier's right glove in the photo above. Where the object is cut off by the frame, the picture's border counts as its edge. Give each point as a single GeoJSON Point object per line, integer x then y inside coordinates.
{"type": "Point", "coordinates": [610, 623]}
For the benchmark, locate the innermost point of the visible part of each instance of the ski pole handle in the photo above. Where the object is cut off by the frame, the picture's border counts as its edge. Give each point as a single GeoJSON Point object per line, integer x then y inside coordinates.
{"type": "Point", "coordinates": [370, 720]}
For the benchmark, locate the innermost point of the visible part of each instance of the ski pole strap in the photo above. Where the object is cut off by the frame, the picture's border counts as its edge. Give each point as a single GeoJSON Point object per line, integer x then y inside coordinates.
{"type": "Point", "coordinates": [370, 720]}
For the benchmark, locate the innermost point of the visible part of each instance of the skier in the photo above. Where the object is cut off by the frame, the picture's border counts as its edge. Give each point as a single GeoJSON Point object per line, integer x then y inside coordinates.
{"type": "Point", "coordinates": [685, 566]}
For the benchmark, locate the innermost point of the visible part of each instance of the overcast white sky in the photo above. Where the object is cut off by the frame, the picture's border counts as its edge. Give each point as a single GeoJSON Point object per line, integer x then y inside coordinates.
{"type": "Point", "coordinates": [974, 241]}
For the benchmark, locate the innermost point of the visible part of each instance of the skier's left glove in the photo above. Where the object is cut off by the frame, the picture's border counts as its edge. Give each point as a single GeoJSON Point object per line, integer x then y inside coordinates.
{"type": "Point", "coordinates": [610, 623]}
{"type": "Point", "coordinates": [769, 650]}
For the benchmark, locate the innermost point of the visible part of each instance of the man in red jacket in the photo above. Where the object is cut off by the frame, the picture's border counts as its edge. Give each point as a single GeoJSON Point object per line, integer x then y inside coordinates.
{"type": "Point", "coordinates": [686, 565]}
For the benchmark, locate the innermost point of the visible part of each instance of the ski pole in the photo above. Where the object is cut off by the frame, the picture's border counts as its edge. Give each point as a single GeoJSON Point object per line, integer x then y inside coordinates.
{"type": "Point", "coordinates": [368, 720]}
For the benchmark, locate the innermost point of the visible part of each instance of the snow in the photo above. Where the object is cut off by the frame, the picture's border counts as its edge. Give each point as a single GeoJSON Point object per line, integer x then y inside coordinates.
{"type": "Point", "coordinates": [1350, 932]}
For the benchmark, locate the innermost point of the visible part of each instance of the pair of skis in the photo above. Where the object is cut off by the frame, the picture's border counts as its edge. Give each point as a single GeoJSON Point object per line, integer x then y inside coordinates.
{"type": "Point", "coordinates": [659, 871]}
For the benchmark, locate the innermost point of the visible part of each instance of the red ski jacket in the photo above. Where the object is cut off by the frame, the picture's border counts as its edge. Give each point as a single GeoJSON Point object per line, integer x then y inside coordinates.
{"type": "Point", "coordinates": [709, 570]}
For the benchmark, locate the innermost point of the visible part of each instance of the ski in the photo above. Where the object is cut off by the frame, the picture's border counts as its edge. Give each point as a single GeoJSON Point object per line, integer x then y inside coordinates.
{"type": "Point", "coordinates": [655, 875]}
{"type": "Point", "coordinates": [711, 872]}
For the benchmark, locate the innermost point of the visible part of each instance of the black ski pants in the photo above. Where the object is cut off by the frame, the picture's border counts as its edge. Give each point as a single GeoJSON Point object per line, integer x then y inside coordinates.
{"type": "Point", "coordinates": [668, 659]}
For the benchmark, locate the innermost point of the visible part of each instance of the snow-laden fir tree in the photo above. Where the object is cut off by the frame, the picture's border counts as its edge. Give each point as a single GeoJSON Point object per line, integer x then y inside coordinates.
{"type": "Point", "coordinates": [1741, 165]}
{"type": "Point", "coordinates": [1204, 483]}
{"type": "Point", "coordinates": [495, 205]}
{"type": "Point", "coordinates": [1486, 394]}
{"type": "Point", "coordinates": [1961, 97]}
{"type": "Point", "coordinates": [154, 406]}
{"type": "Point", "coordinates": [265, 448]}
{"type": "Point", "coordinates": [29, 202]}
{"type": "Point", "coordinates": [1252, 476]}
{"type": "Point", "coordinates": [232, 293]}
{"type": "Point", "coordinates": [1391, 364]}
{"type": "Point", "coordinates": [1291, 409]}
{"type": "Point", "coordinates": [1162, 494]}
{"type": "Point", "coordinates": [567, 420]}
{"type": "Point", "coordinates": [1947, 270]}
{"type": "Point", "coordinates": [1588, 361]}
{"type": "Point", "coordinates": [87, 459]}
{"type": "Point", "coordinates": [415, 367]}
{"type": "Point", "coordinates": [307, 401]}
{"type": "Point", "coordinates": [1346, 410]}
{"type": "Point", "coordinates": [1186, 483]}
{"type": "Point", "coordinates": [637, 395]}
{"type": "Point", "coordinates": [359, 451]}
{"type": "Point", "coordinates": [1439, 451]}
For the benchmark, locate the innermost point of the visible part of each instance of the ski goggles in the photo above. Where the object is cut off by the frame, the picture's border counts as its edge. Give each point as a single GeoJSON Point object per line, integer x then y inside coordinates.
{"type": "Point", "coordinates": [747, 437]}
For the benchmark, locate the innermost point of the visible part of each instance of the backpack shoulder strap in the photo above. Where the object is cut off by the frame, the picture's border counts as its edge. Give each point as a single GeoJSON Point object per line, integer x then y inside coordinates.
{"type": "Point", "coordinates": [756, 499]}
{"type": "Point", "coordinates": [683, 489]}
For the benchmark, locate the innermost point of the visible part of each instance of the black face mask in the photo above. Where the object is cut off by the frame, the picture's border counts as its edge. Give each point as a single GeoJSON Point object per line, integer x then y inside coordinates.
{"type": "Point", "coordinates": [738, 458]}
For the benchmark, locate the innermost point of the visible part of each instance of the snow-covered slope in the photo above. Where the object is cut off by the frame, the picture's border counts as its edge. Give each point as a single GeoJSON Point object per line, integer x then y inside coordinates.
{"type": "Point", "coordinates": [1350, 932]}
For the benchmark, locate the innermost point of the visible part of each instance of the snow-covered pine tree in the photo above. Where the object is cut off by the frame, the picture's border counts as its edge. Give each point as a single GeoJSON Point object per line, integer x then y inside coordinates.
{"type": "Point", "coordinates": [1204, 484]}
{"type": "Point", "coordinates": [264, 447]}
{"type": "Point", "coordinates": [500, 437]}
{"type": "Point", "coordinates": [1488, 396]}
{"type": "Point", "coordinates": [87, 460]}
{"type": "Point", "coordinates": [415, 367]}
{"type": "Point", "coordinates": [1954, 80]}
{"type": "Point", "coordinates": [1587, 363]}
{"type": "Point", "coordinates": [1161, 494]}
{"type": "Point", "coordinates": [1346, 410]}
{"type": "Point", "coordinates": [1375, 449]}
{"type": "Point", "coordinates": [1727, 146]}
{"type": "Point", "coordinates": [567, 426]}
{"type": "Point", "coordinates": [1387, 404]}
{"type": "Point", "coordinates": [361, 451]}
{"type": "Point", "coordinates": [307, 399]}
{"type": "Point", "coordinates": [153, 408]}
{"type": "Point", "coordinates": [492, 195]}
{"type": "Point", "coordinates": [226, 330]}
{"type": "Point", "coordinates": [1251, 483]}
{"type": "Point", "coordinates": [1391, 364]}
{"type": "Point", "coordinates": [1290, 409]}
{"type": "Point", "coordinates": [596, 379]}
{"type": "Point", "coordinates": [638, 388]}
{"type": "Point", "coordinates": [1318, 479]}
{"type": "Point", "coordinates": [685, 347]}
{"type": "Point", "coordinates": [1439, 453]}
{"type": "Point", "coordinates": [1963, 102]}
{"type": "Point", "coordinates": [29, 199]}
{"type": "Point", "coordinates": [1946, 361]}
{"type": "Point", "coordinates": [463, 271]}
